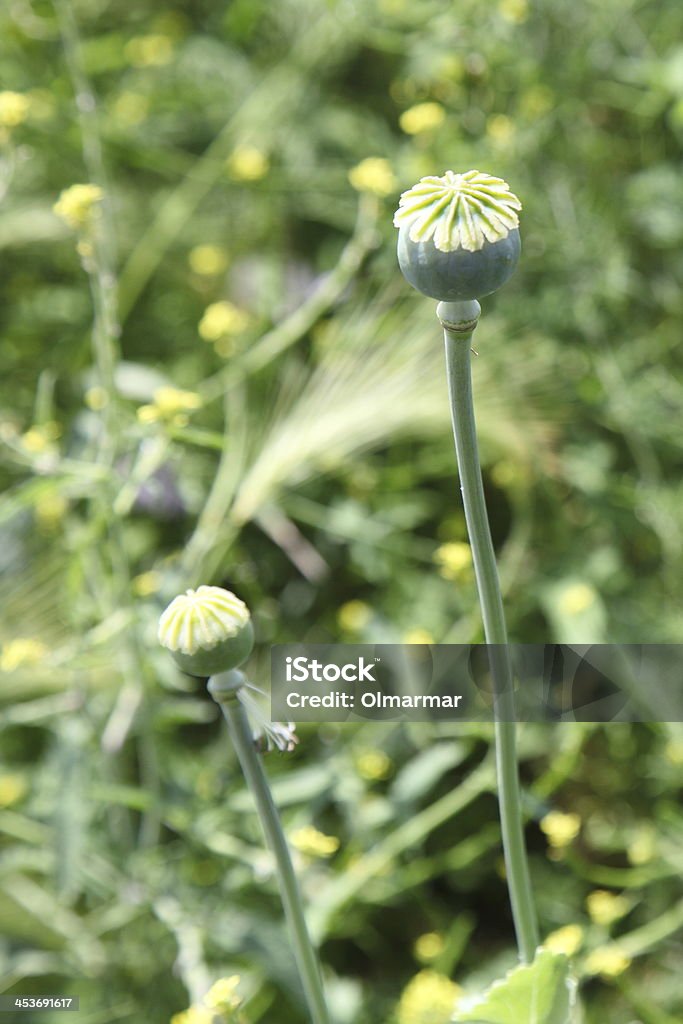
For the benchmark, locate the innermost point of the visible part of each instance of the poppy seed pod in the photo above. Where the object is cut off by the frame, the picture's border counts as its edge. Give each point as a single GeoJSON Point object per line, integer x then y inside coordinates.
{"type": "Point", "coordinates": [458, 237]}
{"type": "Point", "coordinates": [207, 631]}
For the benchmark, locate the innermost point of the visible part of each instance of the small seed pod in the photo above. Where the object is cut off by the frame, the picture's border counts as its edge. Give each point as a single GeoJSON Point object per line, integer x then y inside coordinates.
{"type": "Point", "coordinates": [207, 631]}
{"type": "Point", "coordinates": [458, 237]}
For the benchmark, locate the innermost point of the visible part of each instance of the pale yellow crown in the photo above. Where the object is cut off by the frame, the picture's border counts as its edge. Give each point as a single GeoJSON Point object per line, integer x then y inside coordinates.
{"type": "Point", "coordinates": [201, 618]}
{"type": "Point", "coordinates": [458, 211]}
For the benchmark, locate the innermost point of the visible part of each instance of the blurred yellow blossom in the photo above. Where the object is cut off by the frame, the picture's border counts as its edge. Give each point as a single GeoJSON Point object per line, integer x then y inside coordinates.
{"type": "Point", "coordinates": [373, 765]}
{"type": "Point", "coordinates": [247, 163]}
{"type": "Point", "coordinates": [454, 559]}
{"type": "Point", "coordinates": [309, 841]}
{"type": "Point", "coordinates": [222, 995]}
{"type": "Point", "coordinates": [429, 998]}
{"type": "Point", "coordinates": [515, 11]}
{"type": "Point", "coordinates": [96, 398]}
{"type": "Point", "coordinates": [194, 1015]}
{"type": "Point", "coordinates": [561, 828]}
{"type": "Point", "coordinates": [608, 961]}
{"type": "Point", "coordinates": [423, 117]}
{"type": "Point", "coordinates": [207, 260]}
{"type": "Point", "coordinates": [673, 752]}
{"type": "Point", "coordinates": [418, 636]}
{"type": "Point", "coordinates": [428, 946]}
{"type": "Point", "coordinates": [500, 129]}
{"type": "Point", "coordinates": [50, 510]}
{"type": "Point", "coordinates": [131, 108]}
{"type": "Point", "coordinates": [22, 651]}
{"type": "Point", "coordinates": [170, 404]}
{"type": "Point", "coordinates": [643, 848]}
{"type": "Point", "coordinates": [77, 203]}
{"type": "Point", "coordinates": [14, 108]}
{"type": "Point", "coordinates": [171, 400]}
{"type": "Point", "coordinates": [40, 439]}
{"type": "Point", "coordinates": [567, 940]}
{"type": "Point", "coordinates": [13, 787]}
{"type": "Point", "coordinates": [606, 907]}
{"type": "Point", "coordinates": [147, 583]}
{"type": "Point", "coordinates": [354, 616]}
{"type": "Point", "coordinates": [374, 175]}
{"type": "Point", "coordinates": [148, 414]}
{"type": "Point", "coordinates": [221, 319]}
{"type": "Point", "coordinates": [537, 100]}
{"type": "Point", "coordinates": [153, 50]}
{"type": "Point", "coordinates": [576, 598]}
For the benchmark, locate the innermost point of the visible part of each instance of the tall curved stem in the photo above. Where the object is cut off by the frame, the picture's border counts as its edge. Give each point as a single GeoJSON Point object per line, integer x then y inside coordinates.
{"type": "Point", "coordinates": [464, 430]}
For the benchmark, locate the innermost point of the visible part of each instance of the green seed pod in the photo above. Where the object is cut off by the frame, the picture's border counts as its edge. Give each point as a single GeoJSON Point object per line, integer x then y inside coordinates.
{"type": "Point", "coordinates": [458, 237]}
{"type": "Point", "coordinates": [207, 631]}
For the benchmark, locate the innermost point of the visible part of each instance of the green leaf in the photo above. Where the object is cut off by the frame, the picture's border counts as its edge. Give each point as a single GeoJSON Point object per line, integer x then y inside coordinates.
{"type": "Point", "coordinates": [538, 993]}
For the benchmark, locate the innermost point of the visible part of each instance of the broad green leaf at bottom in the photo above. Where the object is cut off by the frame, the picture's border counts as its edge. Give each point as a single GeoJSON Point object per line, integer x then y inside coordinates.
{"type": "Point", "coordinates": [538, 993]}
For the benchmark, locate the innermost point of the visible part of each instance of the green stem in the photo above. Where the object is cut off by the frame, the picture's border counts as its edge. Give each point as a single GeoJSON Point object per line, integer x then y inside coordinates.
{"type": "Point", "coordinates": [464, 430]}
{"type": "Point", "coordinates": [306, 956]}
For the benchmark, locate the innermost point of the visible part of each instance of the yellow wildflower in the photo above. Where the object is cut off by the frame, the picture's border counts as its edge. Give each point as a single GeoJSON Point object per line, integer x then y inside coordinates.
{"type": "Point", "coordinates": [50, 510]}
{"type": "Point", "coordinates": [222, 995]}
{"type": "Point", "coordinates": [373, 765]}
{"type": "Point", "coordinates": [429, 998]}
{"type": "Point", "coordinates": [194, 1015]}
{"type": "Point", "coordinates": [561, 828]}
{"type": "Point", "coordinates": [36, 441]}
{"type": "Point", "coordinates": [418, 636]}
{"type": "Point", "coordinates": [207, 260]}
{"type": "Point", "coordinates": [673, 752]}
{"type": "Point", "coordinates": [608, 961]}
{"type": "Point", "coordinates": [454, 560]}
{"type": "Point", "coordinates": [643, 848]}
{"type": "Point", "coordinates": [423, 117]}
{"type": "Point", "coordinates": [537, 100]}
{"type": "Point", "coordinates": [172, 400]}
{"type": "Point", "coordinates": [14, 107]}
{"type": "Point", "coordinates": [500, 129]}
{"type": "Point", "coordinates": [148, 414]}
{"type": "Point", "coordinates": [147, 583]}
{"type": "Point", "coordinates": [22, 651]}
{"type": "Point", "coordinates": [309, 841]}
{"type": "Point", "coordinates": [247, 163]}
{"type": "Point", "coordinates": [515, 11]}
{"type": "Point", "coordinates": [96, 398]}
{"type": "Point", "coordinates": [374, 175]}
{"type": "Point", "coordinates": [221, 319]}
{"type": "Point", "coordinates": [577, 598]}
{"type": "Point", "coordinates": [76, 204]}
{"type": "Point", "coordinates": [428, 946]}
{"type": "Point", "coordinates": [12, 788]}
{"type": "Point", "coordinates": [153, 50]}
{"type": "Point", "coordinates": [354, 616]}
{"type": "Point", "coordinates": [606, 907]}
{"type": "Point", "coordinates": [131, 108]}
{"type": "Point", "coordinates": [567, 940]}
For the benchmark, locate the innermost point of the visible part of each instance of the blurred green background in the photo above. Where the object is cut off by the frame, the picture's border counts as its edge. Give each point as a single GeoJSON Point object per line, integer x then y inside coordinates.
{"type": "Point", "coordinates": [218, 375]}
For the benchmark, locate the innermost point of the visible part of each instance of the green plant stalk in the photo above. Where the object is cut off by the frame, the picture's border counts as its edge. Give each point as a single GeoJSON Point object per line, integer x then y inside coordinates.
{"type": "Point", "coordinates": [306, 956]}
{"type": "Point", "coordinates": [464, 431]}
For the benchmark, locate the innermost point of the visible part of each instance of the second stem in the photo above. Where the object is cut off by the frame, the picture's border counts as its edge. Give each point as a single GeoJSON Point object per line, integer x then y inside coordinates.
{"type": "Point", "coordinates": [488, 586]}
{"type": "Point", "coordinates": [306, 958]}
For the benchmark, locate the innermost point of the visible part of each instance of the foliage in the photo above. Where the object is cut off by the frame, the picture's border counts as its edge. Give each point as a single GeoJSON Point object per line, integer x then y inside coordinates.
{"type": "Point", "coordinates": [261, 405]}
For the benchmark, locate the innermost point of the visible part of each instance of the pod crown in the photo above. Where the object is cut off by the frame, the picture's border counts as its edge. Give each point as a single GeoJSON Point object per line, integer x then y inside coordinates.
{"type": "Point", "coordinates": [458, 211]}
{"type": "Point", "coordinates": [202, 618]}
